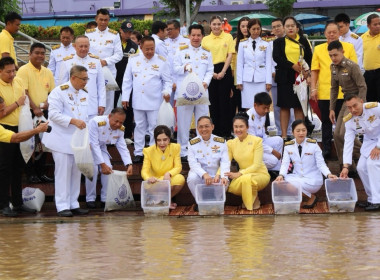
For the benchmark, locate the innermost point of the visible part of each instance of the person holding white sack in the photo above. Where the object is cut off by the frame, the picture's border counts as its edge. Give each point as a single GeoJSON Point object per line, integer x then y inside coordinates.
{"type": "Point", "coordinates": [191, 59]}
{"type": "Point", "coordinates": [106, 130]}
{"type": "Point", "coordinates": [254, 65]}
{"type": "Point", "coordinates": [67, 111]}
{"type": "Point", "coordinates": [308, 163]}
{"type": "Point", "coordinates": [148, 74]}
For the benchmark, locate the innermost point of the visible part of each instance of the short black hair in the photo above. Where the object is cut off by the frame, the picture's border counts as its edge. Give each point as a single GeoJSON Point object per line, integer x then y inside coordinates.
{"type": "Point", "coordinates": [349, 96]}
{"type": "Point", "coordinates": [66, 29]}
{"type": "Point", "coordinates": [335, 45]}
{"type": "Point", "coordinates": [118, 110]}
{"type": "Point", "coordinates": [138, 35]}
{"type": "Point", "coordinates": [10, 17]}
{"type": "Point", "coordinates": [174, 22]}
{"type": "Point", "coordinates": [298, 122]}
{"type": "Point", "coordinates": [90, 24]}
{"type": "Point", "coordinates": [157, 26]}
{"type": "Point", "coordinates": [241, 116]}
{"type": "Point", "coordinates": [146, 38]}
{"type": "Point", "coordinates": [205, 117]}
{"type": "Point", "coordinates": [342, 18]}
{"type": "Point", "coordinates": [103, 12]}
{"type": "Point", "coordinates": [37, 45]}
{"type": "Point", "coordinates": [77, 69]}
{"type": "Point", "coordinates": [161, 129]}
{"type": "Point", "coordinates": [6, 61]}
{"type": "Point", "coordinates": [197, 26]}
{"type": "Point", "coordinates": [276, 19]}
{"type": "Point", "coordinates": [262, 98]}
{"type": "Point", "coordinates": [370, 17]}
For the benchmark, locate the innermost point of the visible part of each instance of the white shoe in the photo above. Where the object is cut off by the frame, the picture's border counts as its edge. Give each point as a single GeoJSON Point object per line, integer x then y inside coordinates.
{"type": "Point", "coordinates": [128, 141]}
{"type": "Point", "coordinates": [256, 204]}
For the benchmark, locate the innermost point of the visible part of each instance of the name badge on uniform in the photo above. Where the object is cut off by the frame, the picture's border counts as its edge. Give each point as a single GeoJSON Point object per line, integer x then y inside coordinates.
{"type": "Point", "coordinates": [83, 99]}
{"type": "Point", "coordinates": [245, 46]}
{"type": "Point", "coordinates": [109, 42]}
{"type": "Point", "coordinates": [116, 137]}
{"type": "Point", "coordinates": [308, 154]}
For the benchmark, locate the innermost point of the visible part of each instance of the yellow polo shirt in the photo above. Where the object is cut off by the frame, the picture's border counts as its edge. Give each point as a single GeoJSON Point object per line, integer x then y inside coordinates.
{"type": "Point", "coordinates": [39, 83]}
{"type": "Point", "coordinates": [11, 92]}
{"type": "Point", "coordinates": [5, 135]}
{"type": "Point", "coordinates": [321, 61]}
{"type": "Point", "coordinates": [371, 51]}
{"type": "Point", "coordinates": [6, 44]}
{"type": "Point", "coordinates": [219, 46]}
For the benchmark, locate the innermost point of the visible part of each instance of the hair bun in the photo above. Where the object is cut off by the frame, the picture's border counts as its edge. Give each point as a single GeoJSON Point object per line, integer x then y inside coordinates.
{"type": "Point", "coordinates": [242, 114]}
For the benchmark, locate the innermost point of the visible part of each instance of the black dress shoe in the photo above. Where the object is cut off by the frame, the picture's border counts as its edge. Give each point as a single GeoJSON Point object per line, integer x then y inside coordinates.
{"type": "Point", "coordinates": [373, 207]}
{"type": "Point", "coordinates": [79, 211]}
{"type": "Point", "coordinates": [310, 206]}
{"type": "Point", "coordinates": [65, 213]}
{"type": "Point", "coordinates": [34, 179]}
{"type": "Point", "coordinates": [8, 212]}
{"type": "Point", "coordinates": [184, 159]}
{"type": "Point", "coordinates": [138, 159]}
{"type": "Point", "coordinates": [102, 205]}
{"type": "Point", "coordinates": [44, 178]}
{"type": "Point", "coordinates": [196, 208]}
{"type": "Point", "coordinates": [91, 204]}
{"type": "Point", "coordinates": [363, 204]}
{"type": "Point", "coordinates": [25, 209]}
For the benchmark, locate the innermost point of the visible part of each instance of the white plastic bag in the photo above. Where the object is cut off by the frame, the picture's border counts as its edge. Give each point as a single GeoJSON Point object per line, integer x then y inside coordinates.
{"type": "Point", "coordinates": [80, 145]}
{"type": "Point", "coordinates": [26, 123]}
{"type": "Point", "coordinates": [192, 92]}
{"type": "Point", "coordinates": [33, 198]}
{"type": "Point", "coordinates": [166, 115]}
{"type": "Point", "coordinates": [109, 79]}
{"type": "Point", "coordinates": [119, 194]}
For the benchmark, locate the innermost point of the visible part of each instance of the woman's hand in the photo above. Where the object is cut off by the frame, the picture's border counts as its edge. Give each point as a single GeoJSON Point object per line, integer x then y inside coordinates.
{"type": "Point", "coordinates": [167, 176]}
{"type": "Point", "coordinates": [232, 175]}
{"type": "Point", "coordinates": [279, 178]}
{"type": "Point", "coordinates": [220, 75]}
{"type": "Point", "coordinates": [215, 76]}
{"type": "Point", "coordinates": [296, 67]}
{"type": "Point", "coordinates": [268, 87]}
{"type": "Point", "coordinates": [152, 180]}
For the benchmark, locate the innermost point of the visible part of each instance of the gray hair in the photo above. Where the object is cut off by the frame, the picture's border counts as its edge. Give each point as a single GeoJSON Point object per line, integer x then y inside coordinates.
{"type": "Point", "coordinates": [77, 69]}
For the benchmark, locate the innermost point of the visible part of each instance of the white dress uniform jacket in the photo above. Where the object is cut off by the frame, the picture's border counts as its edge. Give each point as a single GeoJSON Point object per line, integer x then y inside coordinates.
{"type": "Point", "coordinates": [95, 86]}
{"type": "Point", "coordinates": [172, 45]}
{"type": "Point", "coordinates": [357, 41]}
{"type": "Point", "coordinates": [207, 157]}
{"type": "Point", "coordinates": [160, 46]}
{"type": "Point", "coordinates": [57, 54]}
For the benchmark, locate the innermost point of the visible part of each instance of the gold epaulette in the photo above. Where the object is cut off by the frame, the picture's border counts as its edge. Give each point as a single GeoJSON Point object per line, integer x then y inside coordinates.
{"type": "Point", "coordinates": [289, 143]}
{"type": "Point", "coordinates": [268, 39]}
{"type": "Point", "coordinates": [195, 141]}
{"type": "Point", "coordinates": [219, 139]}
{"type": "Point", "coordinates": [245, 39]}
{"type": "Point", "coordinates": [311, 141]}
{"type": "Point", "coordinates": [64, 87]}
{"type": "Point", "coordinates": [122, 128]}
{"type": "Point", "coordinates": [93, 56]}
{"type": "Point", "coordinates": [133, 55]}
{"type": "Point", "coordinates": [347, 117]}
{"type": "Point", "coordinates": [370, 105]}
{"type": "Point", "coordinates": [55, 47]}
{"type": "Point", "coordinates": [186, 36]}
{"type": "Point", "coordinates": [184, 47]}
{"type": "Point", "coordinates": [102, 123]}
{"type": "Point", "coordinates": [113, 31]}
{"type": "Point", "coordinates": [90, 30]}
{"type": "Point", "coordinates": [206, 49]}
{"type": "Point", "coordinates": [162, 58]}
{"type": "Point", "coordinates": [68, 57]}
{"type": "Point", "coordinates": [353, 35]}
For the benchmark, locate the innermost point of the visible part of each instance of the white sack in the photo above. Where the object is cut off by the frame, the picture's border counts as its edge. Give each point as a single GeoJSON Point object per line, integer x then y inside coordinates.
{"type": "Point", "coordinates": [80, 144]}
{"type": "Point", "coordinates": [166, 115]}
{"type": "Point", "coordinates": [110, 80]}
{"type": "Point", "coordinates": [26, 123]}
{"type": "Point", "coordinates": [33, 198]}
{"type": "Point", "coordinates": [119, 194]}
{"type": "Point", "coordinates": [192, 92]}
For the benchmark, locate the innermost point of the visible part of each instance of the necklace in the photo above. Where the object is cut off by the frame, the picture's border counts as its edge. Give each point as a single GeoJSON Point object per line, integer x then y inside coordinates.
{"type": "Point", "coordinates": [163, 157]}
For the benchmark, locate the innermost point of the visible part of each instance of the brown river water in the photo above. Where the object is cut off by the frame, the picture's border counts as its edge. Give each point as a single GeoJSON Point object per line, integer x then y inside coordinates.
{"type": "Point", "coordinates": [242, 247]}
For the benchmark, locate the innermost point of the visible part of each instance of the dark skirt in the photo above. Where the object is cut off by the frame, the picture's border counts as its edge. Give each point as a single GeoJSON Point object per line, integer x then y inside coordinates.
{"type": "Point", "coordinates": [286, 98]}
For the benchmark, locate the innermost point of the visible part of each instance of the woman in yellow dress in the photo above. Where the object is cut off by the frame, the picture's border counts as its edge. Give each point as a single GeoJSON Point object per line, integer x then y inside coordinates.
{"type": "Point", "coordinates": [247, 151]}
{"type": "Point", "coordinates": [162, 161]}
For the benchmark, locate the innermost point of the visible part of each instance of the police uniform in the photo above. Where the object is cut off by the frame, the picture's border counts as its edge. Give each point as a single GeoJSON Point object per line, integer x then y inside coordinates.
{"type": "Point", "coordinates": [256, 124]}
{"type": "Point", "coordinates": [209, 157]}
{"type": "Point", "coordinates": [107, 46]}
{"type": "Point", "coordinates": [253, 69]}
{"type": "Point", "coordinates": [95, 85]}
{"type": "Point", "coordinates": [357, 41]}
{"type": "Point", "coordinates": [58, 52]}
{"type": "Point", "coordinates": [200, 61]}
{"type": "Point", "coordinates": [347, 75]}
{"type": "Point", "coordinates": [160, 46]}
{"type": "Point", "coordinates": [369, 125]}
{"type": "Point", "coordinates": [65, 103]}
{"type": "Point", "coordinates": [307, 167]}
{"type": "Point", "coordinates": [101, 135]}
{"type": "Point", "coordinates": [150, 80]}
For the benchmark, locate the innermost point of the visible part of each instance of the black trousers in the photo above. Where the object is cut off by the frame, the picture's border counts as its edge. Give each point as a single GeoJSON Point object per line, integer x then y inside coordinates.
{"type": "Point", "coordinates": [324, 107]}
{"type": "Point", "coordinates": [372, 79]}
{"type": "Point", "coordinates": [235, 102]}
{"type": "Point", "coordinates": [11, 167]}
{"type": "Point", "coordinates": [128, 123]}
{"type": "Point", "coordinates": [220, 108]}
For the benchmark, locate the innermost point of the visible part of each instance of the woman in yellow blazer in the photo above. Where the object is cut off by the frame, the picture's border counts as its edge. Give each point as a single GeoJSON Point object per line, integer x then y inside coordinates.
{"type": "Point", "coordinates": [162, 161]}
{"type": "Point", "coordinates": [247, 151]}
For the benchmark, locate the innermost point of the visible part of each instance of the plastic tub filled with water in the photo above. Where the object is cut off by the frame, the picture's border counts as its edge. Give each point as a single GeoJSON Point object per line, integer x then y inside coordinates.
{"type": "Point", "coordinates": [286, 198]}
{"type": "Point", "coordinates": [155, 198]}
{"type": "Point", "coordinates": [341, 195]}
{"type": "Point", "coordinates": [210, 199]}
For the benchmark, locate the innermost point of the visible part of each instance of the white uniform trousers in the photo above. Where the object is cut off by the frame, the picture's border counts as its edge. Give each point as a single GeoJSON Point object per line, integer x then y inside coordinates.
{"type": "Point", "coordinates": [67, 181]}
{"type": "Point", "coordinates": [146, 122]}
{"type": "Point", "coordinates": [276, 112]}
{"type": "Point", "coordinates": [270, 161]}
{"type": "Point", "coordinates": [184, 115]}
{"type": "Point", "coordinates": [368, 170]}
{"type": "Point", "coordinates": [110, 96]}
{"type": "Point", "coordinates": [302, 182]}
{"type": "Point", "coordinates": [250, 89]}
{"type": "Point", "coordinates": [91, 186]}
{"type": "Point", "coordinates": [193, 180]}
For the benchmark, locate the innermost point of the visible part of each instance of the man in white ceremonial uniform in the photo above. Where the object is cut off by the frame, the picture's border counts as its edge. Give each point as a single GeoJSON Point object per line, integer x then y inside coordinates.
{"type": "Point", "coordinates": [106, 130]}
{"type": "Point", "coordinates": [67, 112]}
{"type": "Point", "coordinates": [272, 145]}
{"type": "Point", "coordinates": [346, 35]}
{"type": "Point", "coordinates": [105, 43]}
{"type": "Point", "coordinates": [58, 52]}
{"type": "Point", "coordinates": [364, 118]}
{"type": "Point", "coordinates": [187, 59]}
{"type": "Point", "coordinates": [159, 33]}
{"type": "Point", "coordinates": [95, 85]}
{"type": "Point", "coordinates": [148, 74]}
{"type": "Point", "coordinates": [208, 157]}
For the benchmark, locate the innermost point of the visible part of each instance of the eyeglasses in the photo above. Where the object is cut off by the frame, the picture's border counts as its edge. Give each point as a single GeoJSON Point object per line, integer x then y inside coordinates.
{"type": "Point", "coordinates": [83, 79]}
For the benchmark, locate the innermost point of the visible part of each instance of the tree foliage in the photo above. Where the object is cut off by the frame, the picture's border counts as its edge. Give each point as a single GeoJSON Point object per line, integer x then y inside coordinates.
{"type": "Point", "coordinates": [7, 6]}
{"type": "Point", "coordinates": [280, 8]}
{"type": "Point", "coordinates": [177, 8]}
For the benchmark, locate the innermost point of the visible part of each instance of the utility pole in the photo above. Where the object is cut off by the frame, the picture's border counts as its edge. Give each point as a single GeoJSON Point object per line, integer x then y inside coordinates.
{"type": "Point", "coordinates": [188, 13]}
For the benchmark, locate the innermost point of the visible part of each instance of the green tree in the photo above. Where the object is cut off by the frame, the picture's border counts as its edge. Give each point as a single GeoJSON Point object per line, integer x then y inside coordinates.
{"type": "Point", "coordinates": [7, 6]}
{"type": "Point", "coordinates": [280, 8]}
{"type": "Point", "coordinates": [177, 8]}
